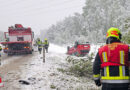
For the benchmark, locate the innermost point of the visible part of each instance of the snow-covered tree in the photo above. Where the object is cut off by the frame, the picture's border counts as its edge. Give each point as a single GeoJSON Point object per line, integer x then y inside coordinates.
{"type": "Point", "coordinates": [103, 14]}
{"type": "Point", "coordinates": [98, 16]}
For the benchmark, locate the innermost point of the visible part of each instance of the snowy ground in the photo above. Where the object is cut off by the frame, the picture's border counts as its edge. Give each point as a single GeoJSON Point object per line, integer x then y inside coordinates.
{"type": "Point", "coordinates": [42, 76]}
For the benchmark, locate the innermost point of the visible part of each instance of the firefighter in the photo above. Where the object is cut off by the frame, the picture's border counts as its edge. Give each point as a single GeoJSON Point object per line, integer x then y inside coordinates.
{"type": "Point", "coordinates": [0, 48]}
{"type": "Point", "coordinates": [39, 43]}
{"type": "Point", "coordinates": [111, 65]}
{"type": "Point", "coordinates": [46, 44]}
{"type": "Point", "coordinates": [0, 54]}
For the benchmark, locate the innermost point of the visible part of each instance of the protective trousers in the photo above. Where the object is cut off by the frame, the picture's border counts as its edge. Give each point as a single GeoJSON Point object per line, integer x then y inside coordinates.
{"type": "Point", "coordinates": [114, 88]}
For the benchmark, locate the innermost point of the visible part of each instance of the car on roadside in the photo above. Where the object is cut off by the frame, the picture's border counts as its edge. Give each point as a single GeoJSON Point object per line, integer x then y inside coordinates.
{"type": "Point", "coordinates": [79, 49]}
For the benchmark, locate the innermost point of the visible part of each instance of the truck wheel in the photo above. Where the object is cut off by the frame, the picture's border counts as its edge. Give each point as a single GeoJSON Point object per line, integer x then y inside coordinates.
{"type": "Point", "coordinates": [10, 54]}
{"type": "Point", "coordinates": [30, 52]}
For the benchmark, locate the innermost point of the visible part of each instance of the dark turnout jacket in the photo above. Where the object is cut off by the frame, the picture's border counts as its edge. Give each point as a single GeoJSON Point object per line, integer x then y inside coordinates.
{"type": "Point", "coordinates": [113, 70]}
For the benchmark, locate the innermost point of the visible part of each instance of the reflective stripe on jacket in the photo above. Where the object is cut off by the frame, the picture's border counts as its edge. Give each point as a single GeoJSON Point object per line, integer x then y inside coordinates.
{"type": "Point", "coordinates": [46, 43]}
{"type": "Point", "coordinates": [40, 46]}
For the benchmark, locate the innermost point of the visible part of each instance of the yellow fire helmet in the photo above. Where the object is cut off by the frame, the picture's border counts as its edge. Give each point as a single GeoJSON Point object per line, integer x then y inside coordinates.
{"type": "Point", "coordinates": [45, 39]}
{"type": "Point", "coordinates": [114, 32]}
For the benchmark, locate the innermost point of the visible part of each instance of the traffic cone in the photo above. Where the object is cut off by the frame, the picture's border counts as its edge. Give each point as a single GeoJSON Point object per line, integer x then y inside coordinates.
{"type": "Point", "coordinates": [1, 84]}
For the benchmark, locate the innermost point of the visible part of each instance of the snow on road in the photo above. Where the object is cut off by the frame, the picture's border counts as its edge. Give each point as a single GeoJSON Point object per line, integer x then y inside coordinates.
{"type": "Point", "coordinates": [45, 76]}
{"type": "Point", "coordinates": [56, 49]}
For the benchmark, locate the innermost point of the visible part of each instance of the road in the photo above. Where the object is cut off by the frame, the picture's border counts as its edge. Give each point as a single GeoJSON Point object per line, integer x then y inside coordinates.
{"type": "Point", "coordinates": [45, 76]}
{"type": "Point", "coordinates": [10, 69]}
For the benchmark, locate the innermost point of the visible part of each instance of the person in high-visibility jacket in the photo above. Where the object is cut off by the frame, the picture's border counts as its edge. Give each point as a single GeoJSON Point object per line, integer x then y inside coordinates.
{"type": "Point", "coordinates": [112, 62]}
{"type": "Point", "coordinates": [0, 54]}
{"type": "Point", "coordinates": [39, 43]}
{"type": "Point", "coordinates": [46, 44]}
{"type": "Point", "coordinates": [0, 48]}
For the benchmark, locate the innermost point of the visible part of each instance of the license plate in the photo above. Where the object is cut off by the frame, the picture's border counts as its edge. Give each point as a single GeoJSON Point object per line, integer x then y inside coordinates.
{"type": "Point", "coordinates": [85, 46]}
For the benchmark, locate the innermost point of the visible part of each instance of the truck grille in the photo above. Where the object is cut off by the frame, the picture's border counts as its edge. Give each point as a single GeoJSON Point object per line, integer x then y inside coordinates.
{"type": "Point", "coordinates": [17, 47]}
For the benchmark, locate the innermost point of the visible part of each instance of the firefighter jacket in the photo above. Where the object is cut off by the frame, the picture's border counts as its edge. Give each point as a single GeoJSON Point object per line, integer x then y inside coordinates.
{"type": "Point", "coordinates": [39, 43]}
{"type": "Point", "coordinates": [46, 44]}
{"type": "Point", "coordinates": [111, 64]}
{"type": "Point", "coordinates": [0, 48]}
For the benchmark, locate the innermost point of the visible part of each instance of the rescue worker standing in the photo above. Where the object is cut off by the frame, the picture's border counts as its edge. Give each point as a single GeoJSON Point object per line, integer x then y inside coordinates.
{"type": "Point", "coordinates": [39, 43]}
{"type": "Point", "coordinates": [46, 44]}
{"type": "Point", "coordinates": [0, 50]}
{"type": "Point", "coordinates": [0, 54]}
{"type": "Point", "coordinates": [111, 65]}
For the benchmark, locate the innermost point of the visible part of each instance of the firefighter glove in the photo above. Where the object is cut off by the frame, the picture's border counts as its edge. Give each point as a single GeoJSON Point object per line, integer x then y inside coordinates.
{"type": "Point", "coordinates": [97, 82]}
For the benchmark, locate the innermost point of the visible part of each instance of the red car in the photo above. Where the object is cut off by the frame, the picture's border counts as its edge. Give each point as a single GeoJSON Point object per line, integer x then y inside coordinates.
{"type": "Point", "coordinates": [79, 49]}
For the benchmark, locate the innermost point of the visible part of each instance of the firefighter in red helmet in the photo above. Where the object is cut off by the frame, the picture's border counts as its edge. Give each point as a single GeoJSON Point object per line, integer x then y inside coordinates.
{"type": "Point", "coordinates": [112, 62]}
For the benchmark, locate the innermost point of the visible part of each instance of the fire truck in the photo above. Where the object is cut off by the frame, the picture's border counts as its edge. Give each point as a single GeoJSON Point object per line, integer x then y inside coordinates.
{"type": "Point", "coordinates": [18, 40]}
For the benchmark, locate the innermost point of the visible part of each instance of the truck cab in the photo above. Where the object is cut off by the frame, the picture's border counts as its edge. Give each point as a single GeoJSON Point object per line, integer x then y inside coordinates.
{"type": "Point", "coordinates": [18, 40]}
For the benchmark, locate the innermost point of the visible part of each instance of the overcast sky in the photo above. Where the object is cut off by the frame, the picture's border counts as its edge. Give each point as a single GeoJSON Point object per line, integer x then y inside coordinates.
{"type": "Point", "coordinates": [38, 14]}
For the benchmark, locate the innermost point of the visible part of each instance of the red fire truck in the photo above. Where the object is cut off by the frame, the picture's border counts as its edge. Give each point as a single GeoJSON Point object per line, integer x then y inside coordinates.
{"type": "Point", "coordinates": [79, 49]}
{"type": "Point", "coordinates": [18, 40]}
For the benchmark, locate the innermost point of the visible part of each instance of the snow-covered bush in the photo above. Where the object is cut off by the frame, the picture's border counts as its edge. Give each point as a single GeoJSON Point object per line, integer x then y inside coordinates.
{"type": "Point", "coordinates": [126, 38]}
{"type": "Point", "coordinates": [80, 66]}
